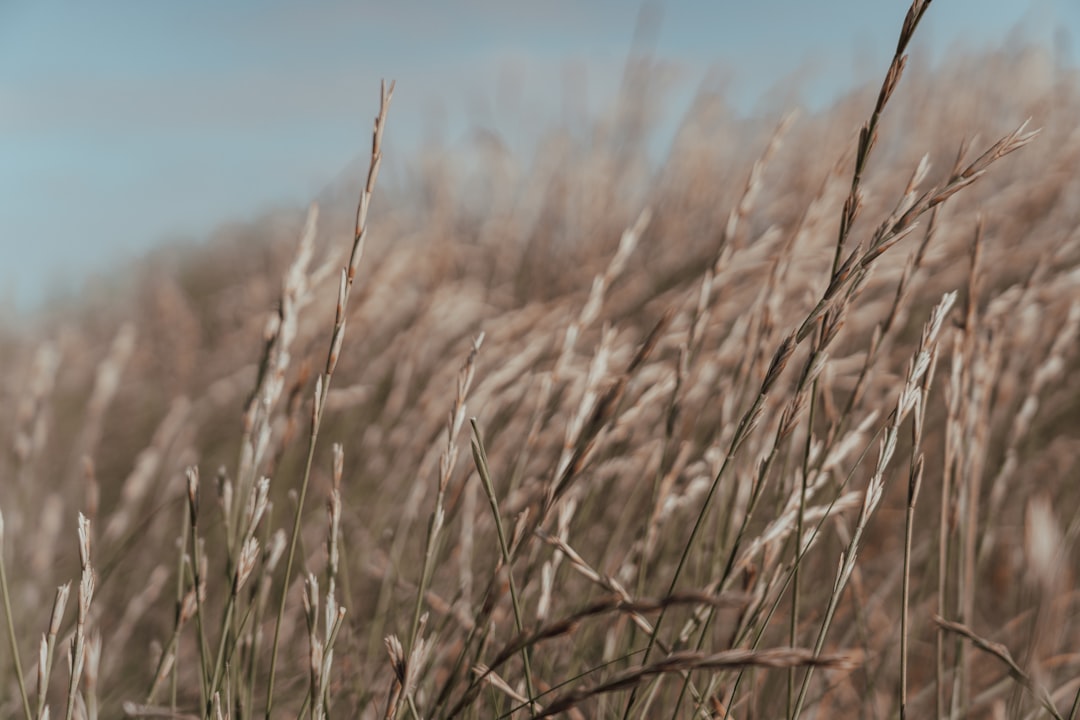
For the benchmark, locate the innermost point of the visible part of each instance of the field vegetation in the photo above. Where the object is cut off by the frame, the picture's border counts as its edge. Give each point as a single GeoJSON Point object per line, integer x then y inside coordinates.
{"type": "Point", "coordinates": [785, 424]}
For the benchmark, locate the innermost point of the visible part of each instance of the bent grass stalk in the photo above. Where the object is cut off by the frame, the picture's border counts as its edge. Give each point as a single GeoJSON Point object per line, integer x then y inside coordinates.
{"type": "Point", "coordinates": [1002, 653]}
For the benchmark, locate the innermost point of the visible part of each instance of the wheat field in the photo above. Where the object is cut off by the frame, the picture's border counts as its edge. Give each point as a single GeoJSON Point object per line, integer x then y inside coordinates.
{"type": "Point", "coordinates": [786, 424]}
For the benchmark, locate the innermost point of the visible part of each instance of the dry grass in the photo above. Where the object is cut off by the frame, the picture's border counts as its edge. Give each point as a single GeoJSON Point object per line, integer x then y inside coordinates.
{"type": "Point", "coordinates": [786, 425]}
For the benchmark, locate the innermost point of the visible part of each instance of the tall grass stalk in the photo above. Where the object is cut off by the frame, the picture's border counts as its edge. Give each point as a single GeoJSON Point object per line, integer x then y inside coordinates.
{"type": "Point", "coordinates": [915, 477]}
{"type": "Point", "coordinates": [447, 463]}
{"type": "Point", "coordinates": [198, 584]}
{"type": "Point", "coordinates": [45, 661]}
{"type": "Point", "coordinates": [86, 594]}
{"type": "Point", "coordinates": [480, 458]}
{"type": "Point", "coordinates": [322, 385]}
{"type": "Point", "coordinates": [910, 398]}
{"type": "Point", "coordinates": [852, 205]}
{"type": "Point", "coordinates": [834, 506]}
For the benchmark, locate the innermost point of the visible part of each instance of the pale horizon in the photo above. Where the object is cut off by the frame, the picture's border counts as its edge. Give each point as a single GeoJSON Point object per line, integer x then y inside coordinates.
{"type": "Point", "coordinates": [129, 125]}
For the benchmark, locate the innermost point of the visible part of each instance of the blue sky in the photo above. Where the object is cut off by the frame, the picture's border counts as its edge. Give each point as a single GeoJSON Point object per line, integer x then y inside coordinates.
{"type": "Point", "coordinates": [125, 124]}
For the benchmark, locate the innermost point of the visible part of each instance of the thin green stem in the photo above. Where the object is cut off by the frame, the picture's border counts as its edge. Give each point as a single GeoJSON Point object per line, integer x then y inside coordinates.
{"type": "Point", "coordinates": [316, 421]}
{"type": "Point", "coordinates": [799, 556]}
{"type": "Point", "coordinates": [11, 632]}
{"type": "Point", "coordinates": [480, 457]}
{"type": "Point", "coordinates": [196, 582]}
{"type": "Point", "coordinates": [50, 647]}
{"type": "Point", "coordinates": [219, 663]}
{"type": "Point", "coordinates": [909, 522]}
{"type": "Point", "coordinates": [698, 523]}
{"type": "Point", "coordinates": [793, 630]}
